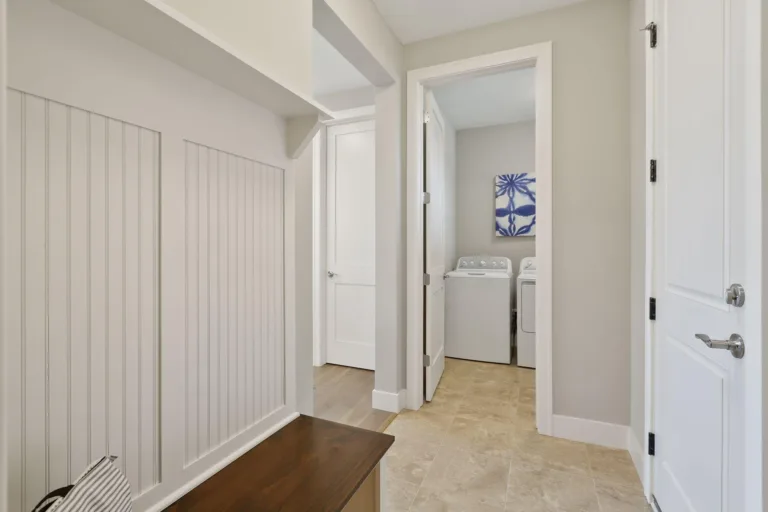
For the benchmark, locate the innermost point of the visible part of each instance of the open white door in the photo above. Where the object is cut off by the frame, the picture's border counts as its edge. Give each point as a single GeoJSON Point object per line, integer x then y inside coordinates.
{"type": "Point", "coordinates": [700, 242]}
{"type": "Point", "coordinates": [351, 306]}
{"type": "Point", "coordinates": [434, 253]}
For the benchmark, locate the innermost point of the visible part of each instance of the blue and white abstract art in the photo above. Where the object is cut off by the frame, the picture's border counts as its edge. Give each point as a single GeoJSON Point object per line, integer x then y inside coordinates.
{"type": "Point", "coordinates": [516, 205]}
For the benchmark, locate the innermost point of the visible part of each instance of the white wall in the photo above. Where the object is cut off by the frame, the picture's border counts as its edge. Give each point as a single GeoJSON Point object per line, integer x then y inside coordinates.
{"type": "Point", "coordinates": [482, 154]}
{"type": "Point", "coordinates": [275, 35]}
{"type": "Point", "coordinates": [89, 73]}
{"type": "Point", "coordinates": [638, 42]}
{"type": "Point", "coordinates": [591, 349]}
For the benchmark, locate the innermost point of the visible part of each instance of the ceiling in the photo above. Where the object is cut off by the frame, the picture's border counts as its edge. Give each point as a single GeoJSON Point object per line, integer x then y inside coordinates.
{"type": "Point", "coordinates": [491, 100]}
{"type": "Point", "coordinates": [331, 72]}
{"type": "Point", "coordinates": [414, 20]}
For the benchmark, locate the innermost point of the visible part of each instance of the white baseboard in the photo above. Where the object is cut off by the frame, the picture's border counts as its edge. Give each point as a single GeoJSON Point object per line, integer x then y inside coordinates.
{"type": "Point", "coordinates": [637, 453]}
{"type": "Point", "coordinates": [390, 402]}
{"type": "Point", "coordinates": [590, 431]}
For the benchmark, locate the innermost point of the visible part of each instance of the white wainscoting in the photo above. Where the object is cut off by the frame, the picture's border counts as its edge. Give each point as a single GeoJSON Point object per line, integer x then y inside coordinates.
{"type": "Point", "coordinates": [234, 296]}
{"type": "Point", "coordinates": [57, 55]}
{"type": "Point", "coordinates": [81, 296]}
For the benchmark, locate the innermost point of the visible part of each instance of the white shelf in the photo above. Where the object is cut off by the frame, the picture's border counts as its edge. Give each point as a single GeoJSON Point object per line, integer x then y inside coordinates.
{"type": "Point", "coordinates": [166, 32]}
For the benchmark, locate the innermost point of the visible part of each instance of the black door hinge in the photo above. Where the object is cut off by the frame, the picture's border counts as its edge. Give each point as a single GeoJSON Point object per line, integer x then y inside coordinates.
{"type": "Point", "coordinates": [653, 171]}
{"type": "Point", "coordinates": [653, 29]}
{"type": "Point", "coordinates": [651, 443]}
{"type": "Point", "coordinates": [652, 308]}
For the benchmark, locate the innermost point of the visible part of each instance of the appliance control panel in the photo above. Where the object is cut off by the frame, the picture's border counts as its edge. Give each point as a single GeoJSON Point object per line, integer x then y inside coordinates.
{"type": "Point", "coordinates": [483, 262]}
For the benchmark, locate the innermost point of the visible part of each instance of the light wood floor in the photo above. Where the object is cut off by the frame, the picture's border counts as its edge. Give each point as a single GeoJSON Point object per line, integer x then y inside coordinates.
{"type": "Point", "coordinates": [344, 395]}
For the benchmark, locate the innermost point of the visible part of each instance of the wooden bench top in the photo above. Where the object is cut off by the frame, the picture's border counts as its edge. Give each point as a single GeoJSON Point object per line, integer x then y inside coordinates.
{"type": "Point", "coordinates": [308, 465]}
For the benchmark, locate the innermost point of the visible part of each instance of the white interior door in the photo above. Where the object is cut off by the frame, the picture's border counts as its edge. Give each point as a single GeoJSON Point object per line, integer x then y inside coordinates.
{"type": "Point", "coordinates": [434, 253]}
{"type": "Point", "coordinates": [351, 306]}
{"type": "Point", "coordinates": [699, 239]}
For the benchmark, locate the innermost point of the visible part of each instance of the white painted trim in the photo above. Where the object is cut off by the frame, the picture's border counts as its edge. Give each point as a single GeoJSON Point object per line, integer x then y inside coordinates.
{"type": "Point", "coordinates": [189, 486]}
{"type": "Point", "coordinates": [320, 228]}
{"type": "Point", "coordinates": [637, 452]}
{"type": "Point", "coordinates": [540, 56]}
{"type": "Point", "coordinates": [590, 431]}
{"type": "Point", "coordinates": [650, 153]}
{"type": "Point", "coordinates": [289, 287]}
{"type": "Point", "coordinates": [755, 96]}
{"type": "Point", "coordinates": [319, 249]}
{"type": "Point", "coordinates": [352, 115]}
{"type": "Point", "coordinates": [390, 402]}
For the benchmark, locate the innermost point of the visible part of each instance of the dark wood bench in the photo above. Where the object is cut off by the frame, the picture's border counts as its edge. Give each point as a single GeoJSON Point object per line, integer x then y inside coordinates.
{"type": "Point", "coordinates": [308, 465]}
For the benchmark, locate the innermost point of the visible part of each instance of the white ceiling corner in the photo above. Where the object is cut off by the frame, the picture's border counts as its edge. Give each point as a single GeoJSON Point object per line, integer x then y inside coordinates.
{"type": "Point", "coordinates": [415, 20]}
{"type": "Point", "coordinates": [491, 100]}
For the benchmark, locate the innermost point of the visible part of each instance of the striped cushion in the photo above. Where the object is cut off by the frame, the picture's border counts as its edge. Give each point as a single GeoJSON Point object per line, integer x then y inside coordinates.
{"type": "Point", "coordinates": [101, 488]}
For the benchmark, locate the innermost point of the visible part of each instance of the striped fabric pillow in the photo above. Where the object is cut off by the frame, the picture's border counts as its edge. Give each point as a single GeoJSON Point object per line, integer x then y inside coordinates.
{"type": "Point", "coordinates": [101, 488]}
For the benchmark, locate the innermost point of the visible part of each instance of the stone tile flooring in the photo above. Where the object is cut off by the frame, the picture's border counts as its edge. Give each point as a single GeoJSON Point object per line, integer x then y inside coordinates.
{"type": "Point", "coordinates": [475, 448]}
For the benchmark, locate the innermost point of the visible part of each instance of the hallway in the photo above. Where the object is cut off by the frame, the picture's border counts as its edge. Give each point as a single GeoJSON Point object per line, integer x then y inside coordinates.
{"type": "Point", "coordinates": [344, 395]}
{"type": "Point", "coordinates": [475, 448]}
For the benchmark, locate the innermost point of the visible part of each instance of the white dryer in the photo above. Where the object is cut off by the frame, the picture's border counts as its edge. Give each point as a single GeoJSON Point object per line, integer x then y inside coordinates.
{"type": "Point", "coordinates": [526, 313]}
{"type": "Point", "coordinates": [478, 307]}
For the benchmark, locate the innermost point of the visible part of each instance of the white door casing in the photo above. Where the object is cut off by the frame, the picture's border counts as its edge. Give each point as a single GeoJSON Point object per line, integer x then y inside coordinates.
{"type": "Point", "coordinates": [434, 255]}
{"type": "Point", "coordinates": [699, 247]}
{"type": "Point", "coordinates": [351, 281]}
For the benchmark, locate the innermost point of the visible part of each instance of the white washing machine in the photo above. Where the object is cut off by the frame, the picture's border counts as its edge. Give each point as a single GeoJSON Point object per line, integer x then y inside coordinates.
{"type": "Point", "coordinates": [526, 313]}
{"type": "Point", "coordinates": [478, 309]}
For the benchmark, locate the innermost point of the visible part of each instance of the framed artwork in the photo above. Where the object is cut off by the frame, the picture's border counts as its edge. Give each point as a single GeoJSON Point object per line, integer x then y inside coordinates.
{"type": "Point", "coordinates": [516, 204]}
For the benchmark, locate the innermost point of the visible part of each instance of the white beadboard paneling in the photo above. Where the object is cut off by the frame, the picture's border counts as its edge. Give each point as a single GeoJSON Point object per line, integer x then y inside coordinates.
{"type": "Point", "coordinates": [233, 296]}
{"type": "Point", "coordinates": [82, 322]}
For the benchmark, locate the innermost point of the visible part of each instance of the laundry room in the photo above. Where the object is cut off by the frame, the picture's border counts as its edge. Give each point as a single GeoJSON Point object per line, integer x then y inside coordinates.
{"type": "Point", "coordinates": [480, 234]}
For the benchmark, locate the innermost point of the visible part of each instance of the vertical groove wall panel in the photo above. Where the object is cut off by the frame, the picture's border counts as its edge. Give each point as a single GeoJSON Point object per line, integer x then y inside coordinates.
{"type": "Point", "coordinates": [203, 301]}
{"type": "Point", "coordinates": [81, 296]}
{"type": "Point", "coordinates": [234, 296]}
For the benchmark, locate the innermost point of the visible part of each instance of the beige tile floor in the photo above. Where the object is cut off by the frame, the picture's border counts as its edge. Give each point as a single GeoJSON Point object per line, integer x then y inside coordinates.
{"type": "Point", "coordinates": [475, 448]}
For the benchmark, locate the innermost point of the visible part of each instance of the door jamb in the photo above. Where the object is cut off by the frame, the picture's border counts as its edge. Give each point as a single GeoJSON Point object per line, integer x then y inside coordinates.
{"type": "Point", "coordinates": [650, 152]}
{"type": "Point", "coordinates": [539, 56]}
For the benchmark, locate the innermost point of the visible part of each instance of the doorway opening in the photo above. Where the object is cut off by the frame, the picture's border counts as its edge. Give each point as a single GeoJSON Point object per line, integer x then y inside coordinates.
{"type": "Point", "coordinates": [479, 188]}
{"type": "Point", "coordinates": [344, 239]}
{"type": "Point", "coordinates": [480, 227]}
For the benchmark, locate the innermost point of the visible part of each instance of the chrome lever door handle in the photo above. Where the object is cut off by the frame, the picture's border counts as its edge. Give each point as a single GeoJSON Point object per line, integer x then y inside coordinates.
{"type": "Point", "coordinates": [331, 274]}
{"type": "Point", "coordinates": [734, 344]}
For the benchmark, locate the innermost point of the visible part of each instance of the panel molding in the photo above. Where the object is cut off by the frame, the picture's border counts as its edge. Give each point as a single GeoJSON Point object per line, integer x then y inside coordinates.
{"type": "Point", "coordinates": [234, 312]}
{"type": "Point", "coordinates": [80, 297]}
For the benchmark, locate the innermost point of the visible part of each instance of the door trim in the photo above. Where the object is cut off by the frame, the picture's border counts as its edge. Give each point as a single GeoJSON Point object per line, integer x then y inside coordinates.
{"type": "Point", "coordinates": [540, 57]}
{"type": "Point", "coordinates": [320, 226]}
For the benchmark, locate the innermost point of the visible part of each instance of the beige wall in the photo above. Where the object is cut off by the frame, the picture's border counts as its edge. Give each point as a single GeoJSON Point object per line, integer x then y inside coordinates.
{"type": "Point", "coordinates": [591, 192]}
{"type": "Point", "coordinates": [483, 153]}
{"type": "Point", "coordinates": [302, 204]}
{"type": "Point", "coordinates": [275, 36]}
{"type": "Point", "coordinates": [3, 407]}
